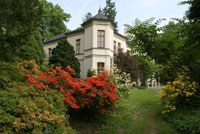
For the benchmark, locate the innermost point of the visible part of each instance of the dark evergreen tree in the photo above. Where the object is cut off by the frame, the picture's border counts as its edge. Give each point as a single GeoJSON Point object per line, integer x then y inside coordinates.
{"type": "Point", "coordinates": [190, 55]}
{"type": "Point", "coordinates": [19, 23]}
{"type": "Point", "coordinates": [87, 17]}
{"type": "Point", "coordinates": [64, 55]}
{"type": "Point", "coordinates": [32, 48]}
{"type": "Point", "coordinates": [194, 10]}
{"type": "Point", "coordinates": [110, 12]}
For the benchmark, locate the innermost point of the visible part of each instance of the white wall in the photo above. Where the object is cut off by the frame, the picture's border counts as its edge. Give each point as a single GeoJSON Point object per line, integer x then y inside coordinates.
{"type": "Point", "coordinates": [121, 40]}
{"type": "Point", "coordinates": [90, 54]}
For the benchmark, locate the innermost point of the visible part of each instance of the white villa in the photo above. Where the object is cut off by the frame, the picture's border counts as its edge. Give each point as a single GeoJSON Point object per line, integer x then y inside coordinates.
{"type": "Point", "coordinates": [94, 43]}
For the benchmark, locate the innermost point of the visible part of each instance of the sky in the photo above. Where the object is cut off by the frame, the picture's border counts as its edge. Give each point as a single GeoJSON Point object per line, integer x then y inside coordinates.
{"type": "Point", "coordinates": [127, 10]}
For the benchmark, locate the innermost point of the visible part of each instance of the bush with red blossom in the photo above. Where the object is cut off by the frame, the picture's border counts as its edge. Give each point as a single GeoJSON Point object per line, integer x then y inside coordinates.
{"type": "Point", "coordinates": [93, 93]}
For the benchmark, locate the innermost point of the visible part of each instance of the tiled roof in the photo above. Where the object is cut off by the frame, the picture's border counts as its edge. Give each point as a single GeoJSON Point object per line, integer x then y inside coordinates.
{"type": "Point", "coordinates": [57, 37]}
{"type": "Point", "coordinates": [99, 16]}
{"type": "Point", "coordinates": [61, 36]}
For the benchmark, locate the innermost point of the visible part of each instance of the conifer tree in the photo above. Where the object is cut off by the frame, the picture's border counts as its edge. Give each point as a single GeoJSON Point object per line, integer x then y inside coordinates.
{"type": "Point", "coordinates": [19, 36]}
{"type": "Point", "coordinates": [64, 55]}
{"type": "Point", "coordinates": [110, 12]}
{"type": "Point", "coordinates": [87, 17]}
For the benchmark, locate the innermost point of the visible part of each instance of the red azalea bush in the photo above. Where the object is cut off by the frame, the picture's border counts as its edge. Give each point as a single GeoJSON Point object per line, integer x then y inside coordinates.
{"type": "Point", "coordinates": [94, 93]}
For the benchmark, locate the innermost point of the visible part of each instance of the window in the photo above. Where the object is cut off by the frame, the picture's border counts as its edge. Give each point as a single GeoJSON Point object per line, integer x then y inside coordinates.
{"type": "Point", "coordinates": [115, 47]}
{"type": "Point", "coordinates": [101, 39]}
{"type": "Point", "coordinates": [119, 46]}
{"type": "Point", "coordinates": [50, 51]}
{"type": "Point", "coordinates": [78, 46]}
{"type": "Point", "coordinates": [100, 67]}
{"type": "Point", "coordinates": [111, 62]}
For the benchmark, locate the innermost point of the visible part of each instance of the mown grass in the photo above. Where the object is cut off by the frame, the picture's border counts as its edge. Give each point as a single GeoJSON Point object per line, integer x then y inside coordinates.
{"type": "Point", "coordinates": [140, 114]}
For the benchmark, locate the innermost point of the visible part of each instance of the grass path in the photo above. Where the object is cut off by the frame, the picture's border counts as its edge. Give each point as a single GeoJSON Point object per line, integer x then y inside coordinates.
{"type": "Point", "coordinates": [141, 116]}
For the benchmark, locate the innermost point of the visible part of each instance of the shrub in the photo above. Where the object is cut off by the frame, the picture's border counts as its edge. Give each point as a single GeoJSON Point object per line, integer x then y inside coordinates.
{"type": "Point", "coordinates": [178, 93]}
{"type": "Point", "coordinates": [27, 67]}
{"type": "Point", "coordinates": [91, 72]}
{"type": "Point", "coordinates": [27, 110]}
{"type": "Point", "coordinates": [185, 120]}
{"type": "Point", "coordinates": [94, 93]}
{"type": "Point", "coordinates": [122, 81]}
{"type": "Point", "coordinates": [8, 74]}
{"type": "Point", "coordinates": [64, 55]}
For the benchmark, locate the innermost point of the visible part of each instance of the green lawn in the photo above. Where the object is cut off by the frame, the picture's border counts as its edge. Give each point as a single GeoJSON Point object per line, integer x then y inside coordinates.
{"type": "Point", "coordinates": [139, 115]}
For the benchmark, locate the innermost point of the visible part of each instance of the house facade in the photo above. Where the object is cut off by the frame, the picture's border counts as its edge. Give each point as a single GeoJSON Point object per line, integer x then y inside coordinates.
{"type": "Point", "coordinates": [95, 44]}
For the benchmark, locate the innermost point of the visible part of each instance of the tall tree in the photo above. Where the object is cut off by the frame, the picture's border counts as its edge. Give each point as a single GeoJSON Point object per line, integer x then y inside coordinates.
{"type": "Point", "coordinates": [193, 12]}
{"type": "Point", "coordinates": [162, 44]}
{"type": "Point", "coordinates": [53, 21]}
{"type": "Point", "coordinates": [191, 45]}
{"type": "Point", "coordinates": [127, 64]}
{"type": "Point", "coordinates": [143, 37]}
{"type": "Point", "coordinates": [64, 55]}
{"type": "Point", "coordinates": [87, 16]}
{"type": "Point", "coordinates": [147, 69]}
{"type": "Point", "coordinates": [18, 23]}
{"type": "Point", "coordinates": [110, 12]}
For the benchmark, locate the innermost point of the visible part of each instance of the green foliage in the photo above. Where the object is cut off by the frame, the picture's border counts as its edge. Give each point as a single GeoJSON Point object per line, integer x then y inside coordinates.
{"type": "Point", "coordinates": [20, 14]}
{"type": "Point", "coordinates": [44, 67]}
{"type": "Point", "coordinates": [8, 74]}
{"type": "Point", "coordinates": [24, 24]}
{"type": "Point", "coordinates": [179, 93]}
{"type": "Point", "coordinates": [122, 81]}
{"type": "Point", "coordinates": [190, 55]}
{"type": "Point", "coordinates": [87, 17]}
{"type": "Point", "coordinates": [147, 69]}
{"type": "Point", "coordinates": [32, 48]}
{"type": "Point", "coordinates": [63, 55]}
{"type": "Point", "coordinates": [185, 120]}
{"type": "Point", "coordinates": [143, 37]}
{"type": "Point", "coordinates": [27, 110]}
{"type": "Point", "coordinates": [127, 64]}
{"type": "Point", "coordinates": [19, 30]}
{"type": "Point", "coordinates": [167, 73]}
{"type": "Point", "coordinates": [169, 42]}
{"type": "Point", "coordinates": [53, 20]}
{"type": "Point", "coordinates": [91, 72]}
{"type": "Point", "coordinates": [110, 12]}
{"type": "Point", "coordinates": [193, 12]}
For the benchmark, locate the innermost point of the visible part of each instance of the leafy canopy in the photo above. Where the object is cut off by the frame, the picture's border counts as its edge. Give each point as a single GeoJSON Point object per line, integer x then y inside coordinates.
{"type": "Point", "coordinates": [53, 20]}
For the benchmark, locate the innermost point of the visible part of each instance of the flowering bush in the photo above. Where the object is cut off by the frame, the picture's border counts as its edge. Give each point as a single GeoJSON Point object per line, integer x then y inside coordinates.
{"type": "Point", "coordinates": [27, 67]}
{"type": "Point", "coordinates": [93, 93]}
{"type": "Point", "coordinates": [122, 81]}
{"type": "Point", "coordinates": [26, 111]}
{"type": "Point", "coordinates": [179, 92]}
{"type": "Point", "coordinates": [8, 74]}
